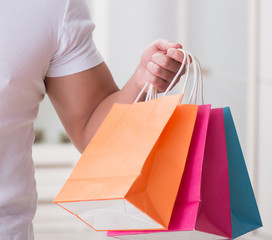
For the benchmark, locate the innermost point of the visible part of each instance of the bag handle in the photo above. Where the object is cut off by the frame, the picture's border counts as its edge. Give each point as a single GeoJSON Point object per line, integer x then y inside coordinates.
{"type": "Point", "coordinates": [152, 92]}
{"type": "Point", "coordinates": [188, 57]}
{"type": "Point", "coordinates": [198, 80]}
{"type": "Point", "coordinates": [178, 75]}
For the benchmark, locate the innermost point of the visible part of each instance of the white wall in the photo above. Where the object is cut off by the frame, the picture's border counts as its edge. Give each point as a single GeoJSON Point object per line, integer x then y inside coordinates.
{"type": "Point", "coordinates": [265, 118]}
{"type": "Point", "coordinates": [217, 36]}
{"type": "Point", "coordinates": [129, 26]}
{"type": "Point", "coordinates": [48, 122]}
{"type": "Point", "coordinates": [218, 33]}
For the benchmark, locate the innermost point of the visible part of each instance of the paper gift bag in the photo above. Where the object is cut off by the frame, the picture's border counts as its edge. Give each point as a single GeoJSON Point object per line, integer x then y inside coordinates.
{"type": "Point", "coordinates": [226, 205]}
{"type": "Point", "coordinates": [231, 211]}
{"type": "Point", "coordinates": [129, 174]}
{"type": "Point", "coordinates": [214, 215]}
{"type": "Point", "coordinates": [245, 215]}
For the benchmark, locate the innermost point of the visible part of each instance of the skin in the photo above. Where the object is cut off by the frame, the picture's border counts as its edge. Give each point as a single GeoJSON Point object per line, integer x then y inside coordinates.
{"type": "Point", "coordinates": [82, 100]}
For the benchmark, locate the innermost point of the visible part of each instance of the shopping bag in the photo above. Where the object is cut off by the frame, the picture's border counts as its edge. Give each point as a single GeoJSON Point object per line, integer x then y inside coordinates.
{"type": "Point", "coordinates": [226, 204]}
{"type": "Point", "coordinates": [227, 213]}
{"type": "Point", "coordinates": [129, 174]}
{"type": "Point", "coordinates": [188, 198]}
{"type": "Point", "coordinates": [245, 215]}
{"type": "Point", "coordinates": [214, 215]}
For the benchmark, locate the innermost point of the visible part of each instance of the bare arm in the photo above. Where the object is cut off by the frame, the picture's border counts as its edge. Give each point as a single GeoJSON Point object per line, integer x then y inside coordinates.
{"type": "Point", "coordinates": [82, 100]}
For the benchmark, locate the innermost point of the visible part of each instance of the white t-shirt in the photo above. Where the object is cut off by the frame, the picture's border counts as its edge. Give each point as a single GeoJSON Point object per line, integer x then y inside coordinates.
{"type": "Point", "coordinates": [38, 38]}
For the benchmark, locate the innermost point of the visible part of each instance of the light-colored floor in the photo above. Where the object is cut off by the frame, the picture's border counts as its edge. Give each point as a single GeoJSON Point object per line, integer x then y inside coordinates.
{"type": "Point", "coordinates": [102, 236]}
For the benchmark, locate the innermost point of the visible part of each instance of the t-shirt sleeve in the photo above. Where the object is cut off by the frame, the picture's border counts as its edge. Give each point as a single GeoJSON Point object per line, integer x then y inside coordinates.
{"type": "Point", "coordinates": [76, 50]}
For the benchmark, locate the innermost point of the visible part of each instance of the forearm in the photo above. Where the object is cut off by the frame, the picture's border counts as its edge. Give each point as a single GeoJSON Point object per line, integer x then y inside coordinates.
{"type": "Point", "coordinates": [159, 64]}
{"type": "Point", "coordinates": [82, 100]}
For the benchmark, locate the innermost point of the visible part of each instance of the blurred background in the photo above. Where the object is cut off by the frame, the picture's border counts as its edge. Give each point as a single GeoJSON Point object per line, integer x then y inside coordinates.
{"type": "Point", "coordinates": [232, 40]}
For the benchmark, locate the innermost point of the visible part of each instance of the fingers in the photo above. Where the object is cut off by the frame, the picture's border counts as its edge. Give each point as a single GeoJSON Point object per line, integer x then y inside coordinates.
{"type": "Point", "coordinates": [175, 54]}
{"type": "Point", "coordinates": [166, 62]}
{"type": "Point", "coordinates": [159, 83]}
{"type": "Point", "coordinates": [163, 68]}
{"type": "Point", "coordinates": [164, 45]}
{"type": "Point", "coordinates": [160, 72]}
{"type": "Point", "coordinates": [160, 63]}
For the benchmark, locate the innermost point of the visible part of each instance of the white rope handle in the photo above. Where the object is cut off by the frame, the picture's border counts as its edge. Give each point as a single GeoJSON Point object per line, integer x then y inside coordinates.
{"type": "Point", "coordinates": [141, 92]}
{"type": "Point", "coordinates": [152, 92]}
{"type": "Point", "coordinates": [198, 79]}
{"type": "Point", "coordinates": [178, 75]}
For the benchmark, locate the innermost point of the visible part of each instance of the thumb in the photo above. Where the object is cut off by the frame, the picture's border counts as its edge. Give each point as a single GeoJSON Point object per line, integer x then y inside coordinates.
{"type": "Point", "coordinates": [164, 45]}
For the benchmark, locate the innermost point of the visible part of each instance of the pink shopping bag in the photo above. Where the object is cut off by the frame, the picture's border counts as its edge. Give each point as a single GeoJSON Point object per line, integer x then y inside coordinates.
{"type": "Point", "coordinates": [214, 213]}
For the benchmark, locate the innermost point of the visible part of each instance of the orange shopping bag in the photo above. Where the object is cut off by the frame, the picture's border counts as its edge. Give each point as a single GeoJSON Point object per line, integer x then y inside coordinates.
{"type": "Point", "coordinates": [128, 176]}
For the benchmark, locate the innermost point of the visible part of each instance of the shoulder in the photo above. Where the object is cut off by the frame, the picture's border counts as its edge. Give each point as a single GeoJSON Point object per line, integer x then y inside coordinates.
{"type": "Point", "coordinates": [57, 9]}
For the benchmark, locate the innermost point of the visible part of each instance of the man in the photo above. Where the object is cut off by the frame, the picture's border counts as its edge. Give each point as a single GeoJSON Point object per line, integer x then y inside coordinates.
{"type": "Point", "coordinates": [47, 47]}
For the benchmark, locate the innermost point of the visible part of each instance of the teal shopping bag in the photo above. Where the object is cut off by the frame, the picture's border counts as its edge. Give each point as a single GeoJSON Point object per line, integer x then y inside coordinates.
{"type": "Point", "coordinates": [245, 215]}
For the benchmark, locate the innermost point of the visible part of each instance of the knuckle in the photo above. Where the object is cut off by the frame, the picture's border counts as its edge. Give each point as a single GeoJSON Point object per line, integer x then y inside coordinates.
{"type": "Point", "coordinates": [161, 59]}
{"type": "Point", "coordinates": [149, 66]}
{"type": "Point", "coordinates": [150, 77]}
{"type": "Point", "coordinates": [157, 70]}
{"type": "Point", "coordinates": [154, 68]}
{"type": "Point", "coordinates": [165, 61]}
{"type": "Point", "coordinates": [156, 56]}
{"type": "Point", "coordinates": [177, 55]}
